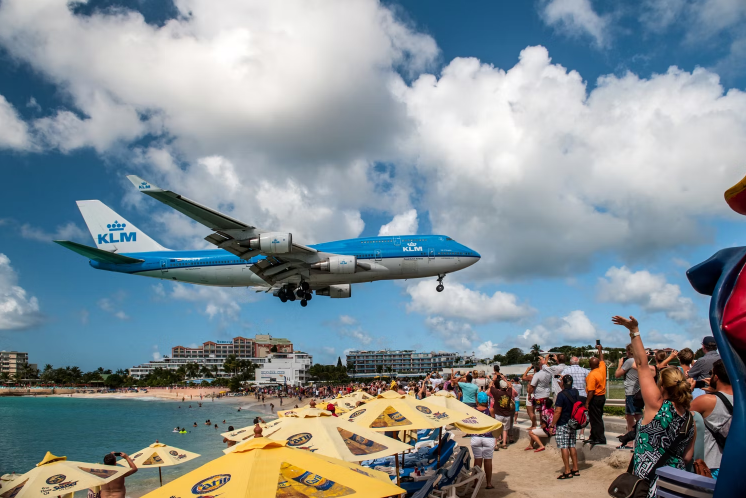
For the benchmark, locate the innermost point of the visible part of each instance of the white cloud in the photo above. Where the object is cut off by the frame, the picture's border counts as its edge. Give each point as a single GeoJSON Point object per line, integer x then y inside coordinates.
{"type": "Point", "coordinates": [348, 326]}
{"type": "Point", "coordinates": [13, 130]}
{"type": "Point", "coordinates": [347, 320]}
{"type": "Point", "coordinates": [576, 18]}
{"type": "Point", "coordinates": [550, 174]}
{"type": "Point", "coordinates": [650, 291]}
{"type": "Point", "coordinates": [574, 328]}
{"type": "Point", "coordinates": [487, 349]}
{"type": "Point", "coordinates": [458, 301]}
{"type": "Point", "coordinates": [156, 354]}
{"type": "Point", "coordinates": [18, 310]}
{"type": "Point", "coordinates": [68, 231]}
{"type": "Point", "coordinates": [84, 316]}
{"type": "Point", "coordinates": [402, 224]}
{"type": "Point", "coordinates": [111, 305]}
{"type": "Point", "coordinates": [221, 302]}
{"type": "Point", "coordinates": [455, 335]}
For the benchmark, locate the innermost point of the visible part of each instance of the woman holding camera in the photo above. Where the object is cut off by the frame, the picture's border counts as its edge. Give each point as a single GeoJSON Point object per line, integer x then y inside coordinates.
{"type": "Point", "coordinates": [666, 415]}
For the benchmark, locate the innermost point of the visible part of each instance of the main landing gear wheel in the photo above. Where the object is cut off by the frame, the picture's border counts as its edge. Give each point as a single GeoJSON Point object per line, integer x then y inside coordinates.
{"type": "Point", "coordinates": [305, 286]}
{"type": "Point", "coordinates": [304, 303]}
{"type": "Point", "coordinates": [440, 287]}
{"type": "Point", "coordinates": [291, 296]}
{"type": "Point", "coordinates": [283, 297]}
{"type": "Point", "coordinates": [308, 296]}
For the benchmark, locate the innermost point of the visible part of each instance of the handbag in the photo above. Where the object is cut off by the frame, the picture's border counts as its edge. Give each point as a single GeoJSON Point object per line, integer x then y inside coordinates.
{"type": "Point", "coordinates": [628, 485]}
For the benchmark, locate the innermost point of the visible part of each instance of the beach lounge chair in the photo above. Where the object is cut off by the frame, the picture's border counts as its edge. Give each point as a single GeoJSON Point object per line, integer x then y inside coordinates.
{"type": "Point", "coordinates": [431, 463]}
{"type": "Point", "coordinates": [675, 483]}
{"type": "Point", "coordinates": [420, 489]}
{"type": "Point", "coordinates": [458, 477]}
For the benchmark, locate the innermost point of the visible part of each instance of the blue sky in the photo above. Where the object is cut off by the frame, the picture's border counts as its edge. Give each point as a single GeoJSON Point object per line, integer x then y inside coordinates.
{"type": "Point", "coordinates": [582, 147]}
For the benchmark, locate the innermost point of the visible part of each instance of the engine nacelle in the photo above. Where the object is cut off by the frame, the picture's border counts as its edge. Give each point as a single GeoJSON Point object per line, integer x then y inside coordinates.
{"type": "Point", "coordinates": [340, 265]}
{"type": "Point", "coordinates": [272, 243]}
{"type": "Point", "coordinates": [340, 291]}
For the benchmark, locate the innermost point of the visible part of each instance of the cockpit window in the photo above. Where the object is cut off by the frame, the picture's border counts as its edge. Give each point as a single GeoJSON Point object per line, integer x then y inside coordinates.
{"type": "Point", "coordinates": [448, 238]}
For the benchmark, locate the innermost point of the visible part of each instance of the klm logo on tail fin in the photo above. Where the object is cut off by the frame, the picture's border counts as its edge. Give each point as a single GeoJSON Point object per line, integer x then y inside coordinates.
{"type": "Point", "coordinates": [114, 237]}
{"type": "Point", "coordinates": [143, 186]}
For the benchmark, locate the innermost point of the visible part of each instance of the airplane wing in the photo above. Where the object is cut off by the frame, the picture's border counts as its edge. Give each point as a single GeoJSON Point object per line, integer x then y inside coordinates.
{"type": "Point", "coordinates": [232, 234]}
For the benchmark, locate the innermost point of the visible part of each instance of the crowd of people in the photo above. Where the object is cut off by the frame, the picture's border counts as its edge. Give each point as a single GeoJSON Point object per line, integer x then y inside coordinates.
{"type": "Point", "coordinates": [693, 399]}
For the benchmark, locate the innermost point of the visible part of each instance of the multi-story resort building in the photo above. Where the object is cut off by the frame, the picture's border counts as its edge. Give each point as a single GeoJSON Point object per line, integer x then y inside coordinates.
{"type": "Point", "coordinates": [404, 361]}
{"type": "Point", "coordinates": [13, 361]}
{"type": "Point", "coordinates": [261, 350]}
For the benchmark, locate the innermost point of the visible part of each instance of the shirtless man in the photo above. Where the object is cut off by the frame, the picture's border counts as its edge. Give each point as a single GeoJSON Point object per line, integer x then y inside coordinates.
{"type": "Point", "coordinates": [115, 488]}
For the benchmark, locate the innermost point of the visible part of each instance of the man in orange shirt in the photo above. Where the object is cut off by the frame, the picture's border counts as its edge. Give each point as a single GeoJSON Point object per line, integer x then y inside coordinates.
{"type": "Point", "coordinates": [595, 388]}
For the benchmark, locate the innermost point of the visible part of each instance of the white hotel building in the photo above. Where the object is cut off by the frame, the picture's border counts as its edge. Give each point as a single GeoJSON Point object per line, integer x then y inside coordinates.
{"type": "Point", "coordinates": [287, 365]}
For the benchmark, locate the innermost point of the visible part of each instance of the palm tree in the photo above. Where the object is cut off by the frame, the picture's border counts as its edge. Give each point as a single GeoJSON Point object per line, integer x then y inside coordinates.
{"type": "Point", "coordinates": [204, 372]}
{"type": "Point", "coordinates": [231, 364]}
{"type": "Point", "coordinates": [379, 369]}
{"type": "Point", "coordinates": [215, 370]}
{"type": "Point", "coordinates": [181, 372]}
{"type": "Point", "coordinates": [192, 370]}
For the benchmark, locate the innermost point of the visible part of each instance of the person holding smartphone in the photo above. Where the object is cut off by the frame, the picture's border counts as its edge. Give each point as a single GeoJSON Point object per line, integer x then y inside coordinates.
{"type": "Point", "coordinates": [116, 488]}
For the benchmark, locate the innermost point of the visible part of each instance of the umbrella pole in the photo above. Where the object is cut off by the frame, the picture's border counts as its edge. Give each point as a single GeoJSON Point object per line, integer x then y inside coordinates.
{"type": "Point", "coordinates": [160, 476]}
{"type": "Point", "coordinates": [396, 459]}
{"type": "Point", "coordinates": [440, 443]}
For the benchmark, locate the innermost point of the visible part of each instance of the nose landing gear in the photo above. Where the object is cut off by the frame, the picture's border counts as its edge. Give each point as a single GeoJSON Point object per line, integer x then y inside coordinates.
{"type": "Point", "coordinates": [440, 287]}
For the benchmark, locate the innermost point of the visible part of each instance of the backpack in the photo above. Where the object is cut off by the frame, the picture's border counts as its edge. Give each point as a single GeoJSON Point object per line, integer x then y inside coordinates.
{"type": "Point", "coordinates": [579, 417]}
{"type": "Point", "coordinates": [716, 434]}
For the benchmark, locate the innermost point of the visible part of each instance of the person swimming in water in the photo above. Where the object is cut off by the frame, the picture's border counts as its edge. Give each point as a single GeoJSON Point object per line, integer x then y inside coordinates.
{"type": "Point", "coordinates": [176, 429]}
{"type": "Point", "coordinates": [195, 424]}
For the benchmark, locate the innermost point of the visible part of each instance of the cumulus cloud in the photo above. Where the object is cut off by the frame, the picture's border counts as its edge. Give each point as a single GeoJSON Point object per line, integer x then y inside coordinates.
{"type": "Point", "coordinates": [112, 306]}
{"type": "Point", "coordinates": [68, 231]}
{"type": "Point", "coordinates": [458, 301]}
{"type": "Point", "coordinates": [487, 349]}
{"type": "Point", "coordinates": [574, 328]}
{"type": "Point", "coordinates": [18, 310]}
{"type": "Point", "coordinates": [402, 224]}
{"type": "Point", "coordinates": [550, 174]}
{"type": "Point", "coordinates": [456, 335]}
{"type": "Point", "coordinates": [223, 303]}
{"type": "Point", "coordinates": [650, 291]}
{"type": "Point", "coordinates": [576, 18]}
{"type": "Point", "coordinates": [348, 326]}
{"type": "Point", "coordinates": [281, 115]}
{"type": "Point", "coordinates": [14, 133]}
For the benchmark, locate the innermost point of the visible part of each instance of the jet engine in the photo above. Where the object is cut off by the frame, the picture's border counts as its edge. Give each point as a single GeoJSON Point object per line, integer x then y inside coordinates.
{"type": "Point", "coordinates": [271, 243]}
{"type": "Point", "coordinates": [342, 265]}
{"type": "Point", "coordinates": [336, 291]}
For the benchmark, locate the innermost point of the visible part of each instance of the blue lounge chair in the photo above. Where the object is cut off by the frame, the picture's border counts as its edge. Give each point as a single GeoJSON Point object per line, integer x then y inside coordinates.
{"type": "Point", "coordinates": [459, 476]}
{"type": "Point", "coordinates": [675, 483]}
{"type": "Point", "coordinates": [420, 489]}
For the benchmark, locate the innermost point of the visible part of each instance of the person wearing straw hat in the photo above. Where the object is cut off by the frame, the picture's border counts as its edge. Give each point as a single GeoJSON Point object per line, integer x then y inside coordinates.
{"type": "Point", "coordinates": [116, 488]}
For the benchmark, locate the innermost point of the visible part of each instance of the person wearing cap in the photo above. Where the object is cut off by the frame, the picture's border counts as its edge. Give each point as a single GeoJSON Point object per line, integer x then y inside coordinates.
{"type": "Point", "coordinates": [702, 368]}
{"type": "Point", "coordinates": [331, 408]}
{"type": "Point", "coordinates": [565, 435]}
{"type": "Point", "coordinates": [483, 445]}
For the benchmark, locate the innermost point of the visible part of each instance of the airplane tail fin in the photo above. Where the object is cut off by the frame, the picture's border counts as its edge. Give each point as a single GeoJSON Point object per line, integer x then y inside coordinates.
{"type": "Point", "coordinates": [112, 232]}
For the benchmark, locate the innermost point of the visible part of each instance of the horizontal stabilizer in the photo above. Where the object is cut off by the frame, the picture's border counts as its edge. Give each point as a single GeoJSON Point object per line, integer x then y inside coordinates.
{"type": "Point", "coordinates": [98, 254]}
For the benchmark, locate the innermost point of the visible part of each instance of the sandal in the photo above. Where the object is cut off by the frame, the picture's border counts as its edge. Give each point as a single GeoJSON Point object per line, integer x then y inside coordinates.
{"type": "Point", "coordinates": [529, 448]}
{"type": "Point", "coordinates": [504, 446]}
{"type": "Point", "coordinates": [490, 487]}
{"type": "Point", "coordinates": [565, 476]}
{"type": "Point", "coordinates": [540, 449]}
{"type": "Point", "coordinates": [576, 473]}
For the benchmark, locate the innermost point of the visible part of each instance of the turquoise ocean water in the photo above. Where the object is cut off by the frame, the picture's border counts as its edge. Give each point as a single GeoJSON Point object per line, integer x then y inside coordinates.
{"type": "Point", "coordinates": [87, 429]}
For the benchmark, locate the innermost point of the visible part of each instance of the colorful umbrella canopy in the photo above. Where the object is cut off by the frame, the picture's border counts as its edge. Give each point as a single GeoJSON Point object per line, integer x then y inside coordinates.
{"type": "Point", "coordinates": [263, 468]}
{"type": "Point", "coordinates": [55, 476]}
{"type": "Point", "coordinates": [305, 411]}
{"type": "Point", "coordinates": [447, 399]}
{"type": "Point", "coordinates": [161, 455]}
{"type": "Point", "coordinates": [332, 437]}
{"type": "Point", "coordinates": [391, 411]}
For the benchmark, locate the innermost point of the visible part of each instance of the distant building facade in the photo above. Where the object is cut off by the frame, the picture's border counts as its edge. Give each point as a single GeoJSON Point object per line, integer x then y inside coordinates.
{"type": "Point", "coordinates": [284, 369]}
{"type": "Point", "coordinates": [13, 361]}
{"type": "Point", "coordinates": [212, 354]}
{"type": "Point", "coordinates": [362, 363]}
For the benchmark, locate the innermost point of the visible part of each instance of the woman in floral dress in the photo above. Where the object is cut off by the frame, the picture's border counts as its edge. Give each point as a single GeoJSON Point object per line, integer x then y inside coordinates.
{"type": "Point", "coordinates": [666, 411]}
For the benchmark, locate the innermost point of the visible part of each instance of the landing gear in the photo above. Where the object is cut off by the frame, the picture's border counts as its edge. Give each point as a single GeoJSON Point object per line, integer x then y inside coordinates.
{"type": "Point", "coordinates": [440, 287]}
{"type": "Point", "coordinates": [291, 296]}
{"type": "Point", "coordinates": [305, 286]}
{"type": "Point", "coordinates": [304, 303]}
{"type": "Point", "coordinates": [308, 296]}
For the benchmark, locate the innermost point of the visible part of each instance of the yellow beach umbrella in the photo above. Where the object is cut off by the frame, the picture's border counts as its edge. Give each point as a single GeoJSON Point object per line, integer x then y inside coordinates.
{"type": "Point", "coordinates": [449, 401]}
{"type": "Point", "coordinates": [247, 432]}
{"type": "Point", "coordinates": [264, 468]}
{"type": "Point", "coordinates": [55, 476]}
{"type": "Point", "coordinates": [305, 411]}
{"type": "Point", "coordinates": [391, 411]}
{"type": "Point", "coordinates": [161, 455]}
{"type": "Point", "coordinates": [332, 437]}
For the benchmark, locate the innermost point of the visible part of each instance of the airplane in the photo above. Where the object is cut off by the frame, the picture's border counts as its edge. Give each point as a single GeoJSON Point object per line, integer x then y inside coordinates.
{"type": "Point", "coordinates": [268, 261]}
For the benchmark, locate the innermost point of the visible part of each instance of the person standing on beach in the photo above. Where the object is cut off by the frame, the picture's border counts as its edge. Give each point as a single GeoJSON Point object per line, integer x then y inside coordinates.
{"type": "Point", "coordinates": [116, 488]}
{"type": "Point", "coordinates": [595, 387]}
